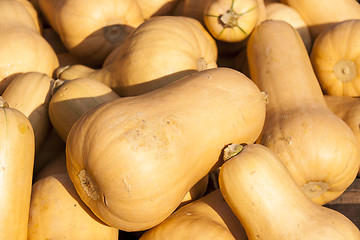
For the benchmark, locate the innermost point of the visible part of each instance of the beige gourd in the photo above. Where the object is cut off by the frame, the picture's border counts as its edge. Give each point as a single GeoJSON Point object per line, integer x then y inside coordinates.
{"type": "Point", "coordinates": [22, 47]}
{"type": "Point", "coordinates": [270, 205]}
{"type": "Point", "coordinates": [56, 211]}
{"type": "Point", "coordinates": [348, 109]}
{"type": "Point", "coordinates": [319, 149]}
{"type": "Point", "coordinates": [17, 150]}
{"type": "Point", "coordinates": [321, 14]}
{"type": "Point", "coordinates": [91, 29]}
{"type": "Point", "coordinates": [156, 146]}
{"type": "Point", "coordinates": [281, 11]}
{"type": "Point", "coordinates": [209, 217]}
{"type": "Point", "coordinates": [71, 99]}
{"type": "Point", "coordinates": [335, 58]}
{"type": "Point", "coordinates": [231, 20]}
{"type": "Point", "coordinates": [153, 55]}
{"type": "Point", "coordinates": [30, 93]}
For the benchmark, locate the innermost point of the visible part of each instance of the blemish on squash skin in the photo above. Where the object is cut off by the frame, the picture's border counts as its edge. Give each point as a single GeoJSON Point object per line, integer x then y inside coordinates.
{"type": "Point", "coordinates": [127, 186]}
{"type": "Point", "coordinates": [22, 128]}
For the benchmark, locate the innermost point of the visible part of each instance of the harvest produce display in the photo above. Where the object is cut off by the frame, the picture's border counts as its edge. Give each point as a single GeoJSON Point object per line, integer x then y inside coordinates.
{"type": "Point", "coordinates": [180, 119]}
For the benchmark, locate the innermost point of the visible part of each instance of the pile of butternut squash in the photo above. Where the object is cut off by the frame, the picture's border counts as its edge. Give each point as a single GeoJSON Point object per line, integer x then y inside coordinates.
{"type": "Point", "coordinates": [178, 119]}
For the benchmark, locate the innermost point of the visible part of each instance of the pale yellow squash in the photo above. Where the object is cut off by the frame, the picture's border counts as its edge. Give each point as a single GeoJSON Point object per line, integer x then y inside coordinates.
{"type": "Point", "coordinates": [335, 58]}
{"type": "Point", "coordinates": [319, 149]}
{"type": "Point", "coordinates": [281, 11]}
{"type": "Point", "coordinates": [231, 20]}
{"type": "Point", "coordinates": [209, 217]}
{"type": "Point", "coordinates": [270, 205]}
{"type": "Point", "coordinates": [71, 99]}
{"type": "Point", "coordinates": [17, 150]}
{"type": "Point", "coordinates": [321, 14]}
{"type": "Point", "coordinates": [156, 146]}
{"type": "Point", "coordinates": [30, 93]}
{"type": "Point", "coordinates": [159, 51]}
{"type": "Point", "coordinates": [348, 109]}
{"type": "Point", "coordinates": [91, 29]}
{"type": "Point", "coordinates": [56, 211]}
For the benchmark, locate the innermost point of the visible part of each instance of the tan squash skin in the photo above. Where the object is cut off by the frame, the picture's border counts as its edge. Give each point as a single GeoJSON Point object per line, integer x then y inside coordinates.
{"type": "Point", "coordinates": [30, 93]}
{"type": "Point", "coordinates": [348, 109]}
{"type": "Point", "coordinates": [335, 58]}
{"type": "Point", "coordinates": [281, 11]}
{"type": "Point", "coordinates": [22, 48]}
{"type": "Point", "coordinates": [71, 99]}
{"type": "Point", "coordinates": [317, 147]}
{"type": "Point", "coordinates": [56, 211]}
{"type": "Point", "coordinates": [18, 13]}
{"type": "Point", "coordinates": [207, 218]}
{"type": "Point", "coordinates": [151, 8]}
{"type": "Point", "coordinates": [153, 55]}
{"type": "Point", "coordinates": [321, 14]}
{"type": "Point", "coordinates": [154, 147]}
{"type": "Point", "coordinates": [91, 29]}
{"type": "Point", "coordinates": [263, 195]}
{"type": "Point", "coordinates": [231, 20]}
{"type": "Point", "coordinates": [17, 149]}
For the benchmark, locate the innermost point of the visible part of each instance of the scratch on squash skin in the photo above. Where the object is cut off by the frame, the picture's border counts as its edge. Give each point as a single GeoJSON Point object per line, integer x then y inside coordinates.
{"type": "Point", "coordinates": [89, 185]}
{"type": "Point", "coordinates": [127, 186]}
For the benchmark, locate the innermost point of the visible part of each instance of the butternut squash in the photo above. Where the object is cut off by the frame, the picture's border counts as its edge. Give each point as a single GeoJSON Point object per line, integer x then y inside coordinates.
{"type": "Point", "coordinates": [56, 211]}
{"type": "Point", "coordinates": [154, 147]}
{"type": "Point", "coordinates": [320, 15]}
{"type": "Point", "coordinates": [231, 20]}
{"type": "Point", "coordinates": [323, 162]}
{"type": "Point", "coordinates": [22, 47]}
{"type": "Point", "coordinates": [270, 205]}
{"type": "Point", "coordinates": [17, 149]}
{"type": "Point", "coordinates": [335, 58]}
{"type": "Point", "coordinates": [71, 99]}
{"type": "Point", "coordinates": [91, 29]}
{"type": "Point", "coordinates": [18, 13]}
{"type": "Point", "coordinates": [348, 109]}
{"type": "Point", "coordinates": [30, 93]}
{"type": "Point", "coordinates": [209, 217]}
{"type": "Point", "coordinates": [153, 55]}
{"type": "Point", "coordinates": [281, 11]}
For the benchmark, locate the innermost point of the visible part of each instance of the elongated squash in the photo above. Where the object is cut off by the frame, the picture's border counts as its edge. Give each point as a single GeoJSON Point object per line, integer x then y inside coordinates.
{"type": "Point", "coordinates": [335, 58]}
{"type": "Point", "coordinates": [153, 55]}
{"type": "Point", "coordinates": [321, 14]}
{"type": "Point", "coordinates": [17, 150]}
{"type": "Point", "coordinates": [154, 147]}
{"type": "Point", "coordinates": [209, 217]}
{"type": "Point", "coordinates": [56, 211]}
{"type": "Point", "coordinates": [318, 148]}
{"type": "Point", "coordinates": [281, 11]}
{"type": "Point", "coordinates": [30, 93]}
{"type": "Point", "coordinates": [270, 205]}
{"type": "Point", "coordinates": [348, 109]}
{"type": "Point", "coordinates": [71, 99]}
{"type": "Point", "coordinates": [91, 29]}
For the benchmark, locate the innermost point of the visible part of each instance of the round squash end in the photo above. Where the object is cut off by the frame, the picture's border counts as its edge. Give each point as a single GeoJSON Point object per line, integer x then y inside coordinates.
{"type": "Point", "coordinates": [345, 70]}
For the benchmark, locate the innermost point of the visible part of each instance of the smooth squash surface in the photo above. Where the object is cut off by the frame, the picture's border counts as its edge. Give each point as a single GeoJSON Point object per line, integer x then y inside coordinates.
{"type": "Point", "coordinates": [317, 147]}
{"type": "Point", "coordinates": [270, 205]}
{"type": "Point", "coordinates": [17, 150]}
{"type": "Point", "coordinates": [154, 147]}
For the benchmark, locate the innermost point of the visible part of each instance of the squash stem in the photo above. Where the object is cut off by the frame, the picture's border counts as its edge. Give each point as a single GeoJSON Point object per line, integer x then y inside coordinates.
{"type": "Point", "coordinates": [232, 150]}
{"type": "Point", "coordinates": [3, 103]}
